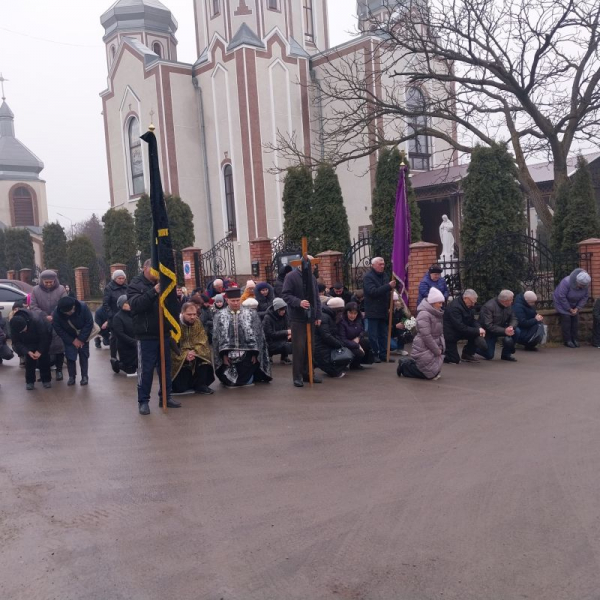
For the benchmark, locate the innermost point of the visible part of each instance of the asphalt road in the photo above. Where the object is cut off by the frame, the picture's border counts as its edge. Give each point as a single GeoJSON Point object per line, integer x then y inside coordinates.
{"type": "Point", "coordinates": [483, 485]}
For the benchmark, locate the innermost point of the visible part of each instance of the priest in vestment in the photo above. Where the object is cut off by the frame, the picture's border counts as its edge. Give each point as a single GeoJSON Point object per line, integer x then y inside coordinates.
{"type": "Point", "coordinates": [191, 365]}
{"type": "Point", "coordinates": [241, 353]}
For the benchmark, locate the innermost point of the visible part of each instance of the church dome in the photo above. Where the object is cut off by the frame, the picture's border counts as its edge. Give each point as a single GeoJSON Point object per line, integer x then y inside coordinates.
{"type": "Point", "coordinates": [146, 15]}
{"type": "Point", "coordinates": [17, 162]}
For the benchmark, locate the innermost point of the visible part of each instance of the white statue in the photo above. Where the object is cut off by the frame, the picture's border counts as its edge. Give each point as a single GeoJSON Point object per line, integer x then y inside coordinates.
{"type": "Point", "coordinates": [447, 239]}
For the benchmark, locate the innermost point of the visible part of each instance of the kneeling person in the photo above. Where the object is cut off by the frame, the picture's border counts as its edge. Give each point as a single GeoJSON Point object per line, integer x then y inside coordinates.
{"type": "Point", "coordinates": [460, 324]}
{"type": "Point", "coordinates": [498, 320]}
{"type": "Point", "coordinates": [241, 355]}
{"type": "Point", "coordinates": [530, 329]}
{"type": "Point", "coordinates": [278, 333]}
{"type": "Point", "coordinates": [191, 367]}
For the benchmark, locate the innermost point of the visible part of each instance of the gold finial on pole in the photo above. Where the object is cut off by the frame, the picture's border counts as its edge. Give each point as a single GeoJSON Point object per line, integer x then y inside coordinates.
{"type": "Point", "coordinates": [151, 126]}
{"type": "Point", "coordinates": [402, 157]}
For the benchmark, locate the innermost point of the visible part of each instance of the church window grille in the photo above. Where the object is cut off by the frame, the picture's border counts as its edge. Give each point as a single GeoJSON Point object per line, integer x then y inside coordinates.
{"type": "Point", "coordinates": [23, 207]}
{"type": "Point", "coordinates": [136, 161]}
{"type": "Point", "coordinates": [419, 147]}
{"type": "Point", "coordinates": [230, 200]}
{"type": "Point", "coordinates": [309, 26]}
{"type": "Point", "coordinates": [157, 49]}
{"type": "Point", "coordinates": [216, 7]}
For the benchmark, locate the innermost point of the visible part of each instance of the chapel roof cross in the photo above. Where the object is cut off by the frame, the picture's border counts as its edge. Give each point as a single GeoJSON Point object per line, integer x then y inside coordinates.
{"type": "Point", "coordinates": [2, 80]}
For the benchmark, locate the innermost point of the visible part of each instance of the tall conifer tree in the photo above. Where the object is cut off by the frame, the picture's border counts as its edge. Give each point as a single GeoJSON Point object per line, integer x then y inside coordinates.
{"type": "Point", "coordinates": [297, 205]}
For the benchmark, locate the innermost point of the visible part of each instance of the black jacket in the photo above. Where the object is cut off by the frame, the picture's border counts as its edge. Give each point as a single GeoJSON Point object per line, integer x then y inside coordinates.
{"type": "Point", "coordinates": [143, 300]}
{"type": "Point", "coordinates": [293, 294]}
{"type": "Point", "coordinates": [524, 314]}
{"type": "Point", "coordinates": [206, 318]}
{"type": "Point", "coordinates": [459, 321]}
{"type": "Point", "coordinates": [122, 328]}
{"type": "Point", "coordinates": [326, 337]}
{"type": "Point", "coordinates": [264, 301]}
{"type": "Point", "coordinates": [79, 325]}
{"type": "Point", "coordinates": [275, 328]}
{"type": "Point", "coordinates": [377, 295]}
{"type": "Point", "coordinates": [35, 339]}
{"type": "Point", "coordinates": [112, 292]}
{"type": "Point", "coordinates": [346, 296]}
{"type": "Point", "coordinates": [495, 318]}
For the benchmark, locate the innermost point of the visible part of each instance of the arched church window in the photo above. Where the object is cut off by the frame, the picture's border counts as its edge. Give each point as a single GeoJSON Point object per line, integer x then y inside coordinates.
{"type": "Point", "coordinates": [23, 210]}
{"type": "Point", "coordinates": [230, 200]}
{"type": "Point", "coordinates": [419, 147]}
{"type": "Point", "coordinates": [157, 49]}
{"type": "Point", "coordinates": [136, 162]}
{"type": "Point", "coordinates": [216, 7]}
{"type": "Point", "coordinates": [309, 24]}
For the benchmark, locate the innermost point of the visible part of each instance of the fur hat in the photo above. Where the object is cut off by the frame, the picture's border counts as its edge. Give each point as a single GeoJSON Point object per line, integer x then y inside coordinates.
{"type": "Point", "coordinates": [250, 303]}
{"type": "Point", "coordinates": [279, 303]}
{"type": "Point", "coordinates": [435, 296]}
{"type": "Point", "coordinates": [122, 300]}
{"type": "Point", "coordinates": [118, 273]}
{"type": "Point", "coordinates": [335, 303]}
{"type": "Point", "coordinates": [583, 279]}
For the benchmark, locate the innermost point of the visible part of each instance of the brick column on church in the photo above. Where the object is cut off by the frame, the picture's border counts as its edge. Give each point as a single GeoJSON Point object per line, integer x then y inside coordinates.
{"type": "Point", "coordinates": [589, 260]}
{"type": "Point", "coordinates": [119, 267]}
{"type": "Point", "coordinates": [330, 267]}
{"type": "Point", "coordinates": [260, 250]}
{"type": "Point", "coordinates": [25, 275]}
{"type": "Point", "coordinates": [11, 275]}
{"type": "Point", "coordinates": [82, 283]}
{"type": "Point", "coordinates": [193, 278]}
{"type": "Point", "coordinates": [422, 256]}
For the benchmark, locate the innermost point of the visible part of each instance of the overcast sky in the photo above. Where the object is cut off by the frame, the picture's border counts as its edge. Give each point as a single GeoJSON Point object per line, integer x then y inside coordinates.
{"type": "Point", "coordinates": [51, 52]}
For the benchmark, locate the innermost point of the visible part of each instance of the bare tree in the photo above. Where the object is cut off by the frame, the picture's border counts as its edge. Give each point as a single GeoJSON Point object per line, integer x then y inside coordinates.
{"type": "Point", "coordinates": [521, 71]}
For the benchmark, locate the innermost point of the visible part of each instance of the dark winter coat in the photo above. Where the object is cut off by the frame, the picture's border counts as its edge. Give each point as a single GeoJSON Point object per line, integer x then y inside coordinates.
{"type": "Point", "coordinates": [326, 338]}
{"type": "Point", "coordinates": [524, 313]}
{"type": "Point", "coordinates": [377, 295]}
{"type": "Point", "coordinates": [495, 318]}
{"type": "Point", "coordinates": [206, 318]}
{"type": "Point", "coordinates": [293, 294]}
{"type": "Point", "coordinates": [43, 303]}
{"type": "Point", "coordinates": [459, 321]}
{"type": "Point", "coordinates": [35, 339]}
{"type": "Point", "coordinates": [276, 328]}
{"type": "Point", "coordinates": [348, 330]}
{"type": "Point", "coordinates": [264, 301]}
{"type": "Point", "coordinates": [112, 292]}
{"type": "Point", "coordinates": [346, 296]}
{"type": "Point", "coordinates": [143, 300]}
{"type": "Point", "coordinates": [122, 327]}
{"type": "Point", "coordinates": [429, 346]}
{"type": "Point", "coordinates": [79, 325]}
{"type": "Point", "coordinates": [278, 285]}
{"type": "Point", "coordinates": [427, 283]}
{"type": "Point", "coordinates": [567, 295]}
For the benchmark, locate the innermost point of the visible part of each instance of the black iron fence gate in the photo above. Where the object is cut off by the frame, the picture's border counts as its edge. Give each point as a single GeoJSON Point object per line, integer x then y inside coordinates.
{"type": "Point", "coordinates": [218, 262]}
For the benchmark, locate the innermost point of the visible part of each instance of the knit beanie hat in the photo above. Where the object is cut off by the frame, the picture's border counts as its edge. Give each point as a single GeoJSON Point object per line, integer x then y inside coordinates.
{"type": "Point", "coordinates": [122, 300]}
{"type": "Point", "coordinates": [583, 279]}
{"type": "Point", "coordinates": [336, 303]}
{"type": "Point", "coordinates": [65, 304]}
{"type": "Point", "coordinates": [250, 303]}
{"type": "Point", "coordinates": [435, 296]}
{"type": "Point", "coordinates": [279, 303]}
{"type": "Point", "coordinates": [219, 298]}
{"type": "Point", "coordinates": [118, 273]}
{"type": "Point", "coordinates": [18, 323]}
{"type": "Point", "coordinates": [250, 283]}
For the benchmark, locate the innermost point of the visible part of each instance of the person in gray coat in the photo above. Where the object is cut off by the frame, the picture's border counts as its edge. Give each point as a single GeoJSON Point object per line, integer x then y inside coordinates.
{"type": "Point", "coordinates": [428, 347]}
{"type": "Point", "coordinates": [44, 300]}
{"type": "Point", "coordinates": [499, 321]}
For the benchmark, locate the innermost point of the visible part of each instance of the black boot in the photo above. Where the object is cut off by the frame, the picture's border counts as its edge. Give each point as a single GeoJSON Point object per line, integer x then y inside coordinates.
{"type": "Point", "coordinates": [72, 369]}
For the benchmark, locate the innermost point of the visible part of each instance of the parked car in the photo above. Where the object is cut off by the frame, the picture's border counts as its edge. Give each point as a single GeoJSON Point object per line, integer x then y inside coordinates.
{"type": "Point", "coordinates": [20, 285]}
{"type": "Point", "coordinates": [9, 295]}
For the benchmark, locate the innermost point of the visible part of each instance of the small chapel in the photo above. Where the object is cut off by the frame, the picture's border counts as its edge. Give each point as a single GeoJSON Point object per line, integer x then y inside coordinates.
{"type": "Point", "coordinates": [22, 190]}
{"type": "Point", "coordinates": [215, 118]}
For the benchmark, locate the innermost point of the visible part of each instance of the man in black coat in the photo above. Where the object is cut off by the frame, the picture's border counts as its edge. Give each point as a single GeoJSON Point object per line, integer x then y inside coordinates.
{"type": "Point", "coordinates": [112, 292]}
{"type": "Point", "coordinates": [142, 297]}
{"type": "Point", "coordinates": [378, 290]}
{"type": "Point", "coordinates": [460, 324]}
{"type": "Point", "coordinates": [126, 342]}
{"type": "Point", "coordinates": [498, 320]}
{"type": "Point", "coordinates": [302, 311]}
{"type": "Point", "coordinates": [277, 330]}
{"type": "Point", "coordinates": [31, 338]}
{"type": "Point", "coordinates": [338, 290]}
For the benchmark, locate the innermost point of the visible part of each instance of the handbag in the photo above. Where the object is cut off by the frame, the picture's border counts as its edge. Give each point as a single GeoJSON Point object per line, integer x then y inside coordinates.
{"type": "Point", "coordinates": [341, 356]}
{"type": "Point", "coordinates": [96, 329]}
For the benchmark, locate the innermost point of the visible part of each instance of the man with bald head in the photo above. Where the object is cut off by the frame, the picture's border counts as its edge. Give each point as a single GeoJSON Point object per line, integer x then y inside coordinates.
{"type": "Point", "coordinates": [378, 290]}
{"type": "Point", "coordinates": [530, 327]}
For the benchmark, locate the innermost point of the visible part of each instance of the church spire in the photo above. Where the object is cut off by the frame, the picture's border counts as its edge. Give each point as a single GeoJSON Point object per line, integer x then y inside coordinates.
{"type": "Point", "coordinates": [7, 118]}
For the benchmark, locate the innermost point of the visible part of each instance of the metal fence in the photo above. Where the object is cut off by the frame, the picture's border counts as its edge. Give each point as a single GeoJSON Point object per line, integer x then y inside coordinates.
{"type": "Point", "coordinates": [218, 262]}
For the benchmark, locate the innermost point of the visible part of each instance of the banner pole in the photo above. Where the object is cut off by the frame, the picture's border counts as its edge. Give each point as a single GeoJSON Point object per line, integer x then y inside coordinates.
{"type": "Point", "coordinates": [163, 366]}
{"type": "Point", "coordinates": [389, 340]}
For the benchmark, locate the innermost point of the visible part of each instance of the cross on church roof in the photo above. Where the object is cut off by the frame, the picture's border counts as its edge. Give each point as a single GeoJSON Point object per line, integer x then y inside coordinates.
{"type": "Point", "coordinates": [2, 80]}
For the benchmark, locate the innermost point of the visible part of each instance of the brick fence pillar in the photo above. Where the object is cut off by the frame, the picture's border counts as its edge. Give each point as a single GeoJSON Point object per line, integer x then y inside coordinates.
{"type": "Point", "coordinates": [330, 267]}
{"type": "Point", "coordinates": [260, 250]}
{"type": "Point", "coordinates": [591, 262]}
{"type": "Point", "coordinates": [11, 275]}
{"type": "Point", "coordinates": [82, 283]}
{"type": "Point", "coordinates": [422, 256]}
{"type": "Point", "coordinates": [25, 275]}
{"type": "Point", "coordinates": [117, 267]}
{"type": "Point", "coordinates": [192, 278]}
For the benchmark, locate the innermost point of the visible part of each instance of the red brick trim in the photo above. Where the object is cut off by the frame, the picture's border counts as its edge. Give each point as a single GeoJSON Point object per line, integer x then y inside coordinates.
{"type": "Point", "coordinates": [242, 9]}
{"type": "Point", "coordinates": [305, 106]}
{"type": "Point", "coordinates": [268, 53]}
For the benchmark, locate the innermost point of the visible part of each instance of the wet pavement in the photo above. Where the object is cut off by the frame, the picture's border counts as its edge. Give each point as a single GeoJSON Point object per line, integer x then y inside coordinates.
{"type": "Point", "coordinates": [483, 485]}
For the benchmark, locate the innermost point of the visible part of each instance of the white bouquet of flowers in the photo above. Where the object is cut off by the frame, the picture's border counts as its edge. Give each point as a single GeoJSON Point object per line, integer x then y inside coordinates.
{"type": "Point", "coordinates": [410, 324]}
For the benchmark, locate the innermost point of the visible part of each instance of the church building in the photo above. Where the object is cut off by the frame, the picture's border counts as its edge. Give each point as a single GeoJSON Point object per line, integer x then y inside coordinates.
{"type": "Point", "coordinates": [22, 191]}
{"type": "Point", "coordinates": [215, 118]}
